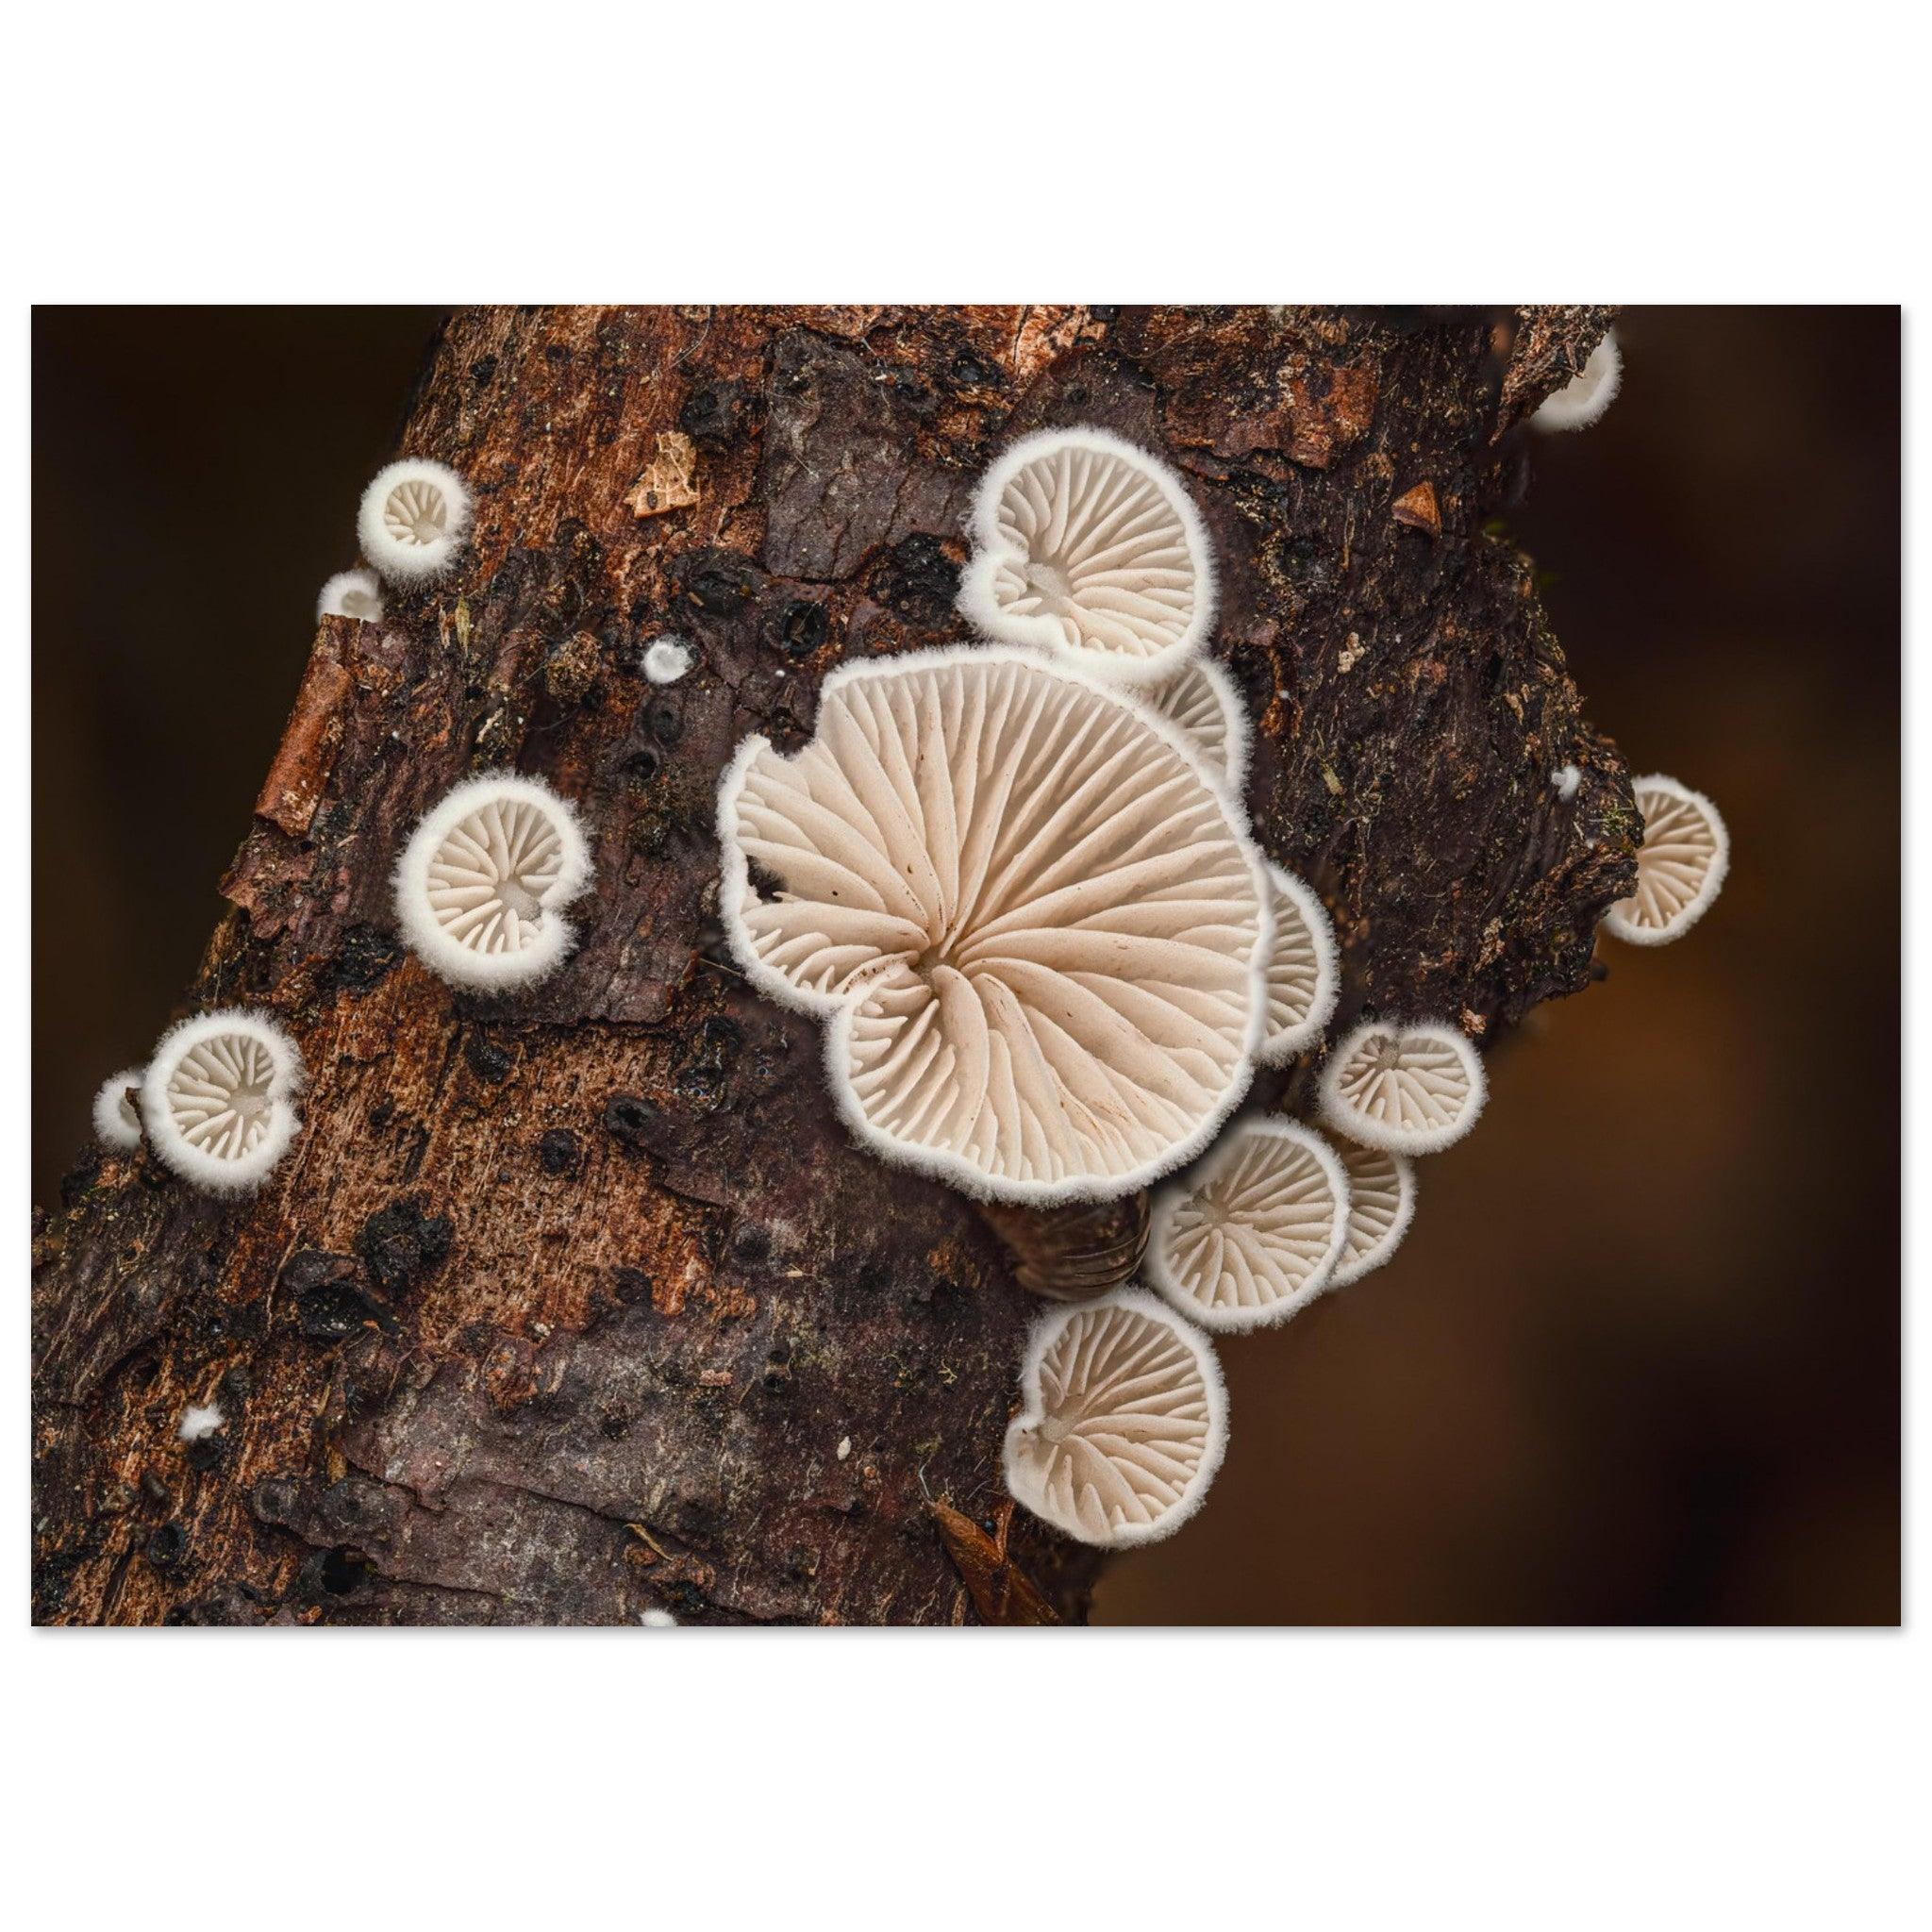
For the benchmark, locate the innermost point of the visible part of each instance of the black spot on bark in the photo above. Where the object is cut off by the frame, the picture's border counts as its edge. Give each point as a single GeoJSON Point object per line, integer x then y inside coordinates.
{"type": "Point", "coordinates": [367, 956]}
{"type": "Point", "coordinates": [916, 578]}
{"type": "Point", "coordinates": [557, 1152]}
{"type": "Point", "coordinates": [713, 413]}
{"type": "Point", "coordinates": [631, 1120]}
{"type": "Point", "coordinates": [486, 1059]}
{"type": "Point", "coordinates": [402, 1242]}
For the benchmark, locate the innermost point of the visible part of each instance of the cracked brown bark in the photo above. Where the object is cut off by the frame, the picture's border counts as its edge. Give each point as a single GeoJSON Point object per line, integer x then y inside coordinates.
{"type": "Point", "coordinates": [580, 1302]}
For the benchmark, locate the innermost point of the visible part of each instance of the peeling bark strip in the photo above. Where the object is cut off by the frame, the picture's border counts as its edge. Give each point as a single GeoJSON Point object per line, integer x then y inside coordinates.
{"type": "Point", "coordinates": [578, 1304]}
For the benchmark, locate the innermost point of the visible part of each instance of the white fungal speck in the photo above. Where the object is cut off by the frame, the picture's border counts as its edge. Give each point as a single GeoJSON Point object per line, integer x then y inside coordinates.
{"type": "Point", "coordinates": [667, 660]}
{"type": "Point", "coordinates": [414, 517]}
{"type": "Point", "coordinates": [659, 1620]}
{"type": "Point", "coordinates": [116, 1119]}
{"type": "Point", "coordinates": [844, 1447]}
{"type": "Point", "coordinates": [1566, 780]}
{"type": "Point", "coordinates": [197, 1422]}
{"type": "Point", "coordinates": [351, 593]}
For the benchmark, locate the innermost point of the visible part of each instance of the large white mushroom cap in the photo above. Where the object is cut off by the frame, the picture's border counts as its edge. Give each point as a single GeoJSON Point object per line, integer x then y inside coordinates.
{"type": "Point", "coordinates": [1408, 1087]}
{"type": "Point", "coordinates": [1123, 1421]}
{"type": "Point", "coordinates": [1038, 928]}
{"type": "Point", "coordinates": [1086, 545]}
{"type": "Point", "coordinates": [1254, 1236]}
{"type": "Point", "coordinates": [1680, 868]}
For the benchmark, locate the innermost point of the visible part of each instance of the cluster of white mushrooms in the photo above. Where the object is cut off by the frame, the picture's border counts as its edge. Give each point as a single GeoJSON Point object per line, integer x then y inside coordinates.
{"type": "Point", "coordinates": [480, 892]}
{"type": "Point", "coordinates": [1017, 880]}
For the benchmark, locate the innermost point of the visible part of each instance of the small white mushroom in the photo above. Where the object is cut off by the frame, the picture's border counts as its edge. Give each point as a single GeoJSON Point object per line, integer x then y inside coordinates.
{"type": "Point", "coordinates": [197, 1422]}
{"type": "Point", "coordinates": [666, 659]}
{"type": "Point", "coordinates": [1301, 975]}
{"type": "Point", "coordinates": [1123, 1425]}
{"type": "Point", "coordinates": [1680, 868]}
{"type": "Point", "coordinates": [1587, 393]}
{"type": "Point", "coordinates": [1409, 1087]}
{"type": "Point", "coordinates": [1086, 546]}
{"type": "Point", "coordinates": [117, 1119]}
{"type": "Point", "coordinates": [414, 517]}
{"type": "Point", "coordinates": [1567, 778]}
{"type": "Point", "coordinates": [218, 1099]}
{"type": "Point", "coordinates": [482, 884]}
{"type": "Point", "coordinates": [356, 593]}
{"type": "Point", "coordinates": [1201, 703]}
{"type": "Point", "coordinates": [1252, 1236]}
{"type": "Point", "coordinates": [1381, 1203]}
{"type": "Point", "coordinates": [655, 1618]}
{"type": "Point", "coordinates": [1037, 928]}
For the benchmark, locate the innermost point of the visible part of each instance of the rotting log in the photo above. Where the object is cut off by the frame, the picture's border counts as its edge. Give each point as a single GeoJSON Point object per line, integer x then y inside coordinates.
{"type": "Point", "coordinates": [580, 1302]}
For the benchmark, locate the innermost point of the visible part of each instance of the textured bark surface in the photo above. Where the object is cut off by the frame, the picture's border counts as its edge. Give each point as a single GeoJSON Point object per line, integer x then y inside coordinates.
{"type": "Point", "coordinates": [580, 1302]}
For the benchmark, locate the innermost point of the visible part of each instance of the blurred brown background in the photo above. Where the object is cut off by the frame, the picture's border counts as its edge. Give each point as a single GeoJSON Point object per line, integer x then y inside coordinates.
{"type": "Point", "coordinates": [1638, 1361]}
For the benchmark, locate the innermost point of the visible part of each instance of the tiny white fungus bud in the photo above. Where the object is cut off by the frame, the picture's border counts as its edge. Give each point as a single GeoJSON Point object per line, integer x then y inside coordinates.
{"type": "Point", "coordinates": [657, 1620]}
{"type": "Point", "coordinates": [1587, 393]}
{"type": "Point", "coordinates": [356, 593]}
{"type": "Point", "coordinates": [218, 1099]}
{"type": "Point", "coordinates": [667, 659]}
{"type": "Point", "coordinates": [197, 1422]}
{"type": "Point", "coordinates": [1566, 780]}
{"type": "Point", "coordinates": [414, 517]}
{"type": "Point", "coordinates": [481, 886]}
{"type": "Point", "coordinates": [117, 1119]}
{"type": "Point", "coordinates": [844, 1447]}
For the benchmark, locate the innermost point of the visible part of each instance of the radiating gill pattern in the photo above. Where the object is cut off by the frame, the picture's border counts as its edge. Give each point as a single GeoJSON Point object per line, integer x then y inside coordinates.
{"type": "Point", "coordinates": [1043, 926]}
{"type": "Point", "coordinates": [1203, 706]}
{"type": "Point", "coordinates": [416, 513]}
{"type": "Point", "coordinates": [1254, 1236]}
{"type": "Point", "coordinates": [1411, 1088]}
{"type": "Point", "coordinates": [1085, 542]}
{"type": "Point", "coordinates": [1302, 977]}
{"type": "Point", "coordinates": [490, 874]}
{"type": "Point", "coordinates": [1125, 1421]}
{"type": "Point", "coordinates": [220, 1095]}
{"type": "Point", "coordinates": [1381, 1203]}
{"type": "Point", "coordinates": [1680, 867]}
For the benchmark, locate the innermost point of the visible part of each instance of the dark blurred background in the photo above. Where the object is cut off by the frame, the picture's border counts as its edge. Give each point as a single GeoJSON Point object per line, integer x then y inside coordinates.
{"type": "Point", "coordinates": [1638, 1360]}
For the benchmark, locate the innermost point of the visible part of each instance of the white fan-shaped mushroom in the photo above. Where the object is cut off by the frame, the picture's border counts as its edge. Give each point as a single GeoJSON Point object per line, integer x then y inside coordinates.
{"type": "Point", "coordinates": [1254, 1236]}
{"type": "Point", "coordinates": [1411, 1087]}
{"type": "Point", "coordinates": [1680, 869]}
{"type": "Point", "coordinates": [1381, 1203]}
{"type": "Point", "coordinates": [1040, 926]}
{"type": "Point", "coordinates": [482, 884]}
{"type": "Point", "coordinates": [1201, 703]}
{"type": "Point", "coordinates": [116, 1119]}
{"type": "Point", "coordinates": [1587, 393]}
{"type": "Point", "coordinates": [1301, 975]}
{"type": "Point", "coordinates": [1086, 546]}
{"type": "Point", "coordinates": [1123, 1421]}
{"type": "Point", "coordinates": [356, 593]}
{"type": "Point", "coordinates": [414, 517]}
{"type": "Point", "coordinates": [218, 1099]}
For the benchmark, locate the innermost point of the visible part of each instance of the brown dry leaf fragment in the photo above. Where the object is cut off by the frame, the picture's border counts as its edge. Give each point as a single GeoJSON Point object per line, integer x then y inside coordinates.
{"type": "Point", "coordinates": [1417, 508]}
{"type": "Point", "coordinates": [1002, 1591]}
{"type": "Point", "coordinates": [670, 482]}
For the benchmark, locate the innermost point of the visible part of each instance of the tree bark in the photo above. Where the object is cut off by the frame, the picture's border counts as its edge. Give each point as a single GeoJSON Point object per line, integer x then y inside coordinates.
{"type": "Point", "coordinates": [572, 1305]}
